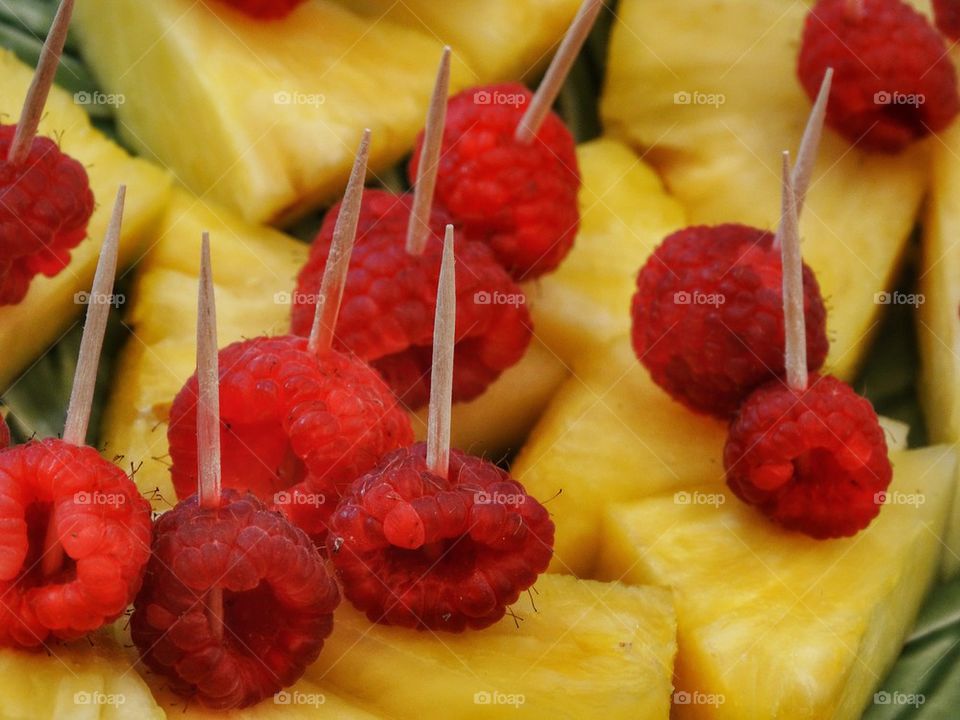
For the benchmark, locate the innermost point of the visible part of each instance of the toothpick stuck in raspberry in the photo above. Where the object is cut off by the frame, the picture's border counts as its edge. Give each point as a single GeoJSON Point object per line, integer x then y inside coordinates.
{"type": "Point", "coordinates": [810, 142]}
{"type": "Point", "coordinates": [419, 228]}
{"type": "Point", "coordinates": [338, 261]}
{"type": "Point", "coordinates": [557, 73]}
{"type": "Point", "coordinates": [441, 377]}
{"type": "Point", "coordinates": [208, 378]}
{"type": "Point", "coordinates": [792, 274]}
{"type": "Point", "coordinates": [40, 87]}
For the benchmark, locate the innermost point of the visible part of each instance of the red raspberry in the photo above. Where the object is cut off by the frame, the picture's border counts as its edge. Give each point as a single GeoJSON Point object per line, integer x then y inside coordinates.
{"type": "Point", "coordinates": [390, 299]}
{"type": "Point", "coordinates": [520, 198]}
{"type": "Point", "coordinates": [893, 79]}
{"type": "Point", "coordinates": [45, 205]}
{"type": "Point", "coordinates": [415, 550]}
{"type": "Point", "coordinates": [708, 316]}
{"type": "Point", "coordinates": [290, 418]}
{"type": "Point", "coordinates": [946, 15]}
{"type": "Point", "coordinates": [4, 434]}
{"type": "Point", "coordinates": [278, 601]}
{"type": "Point", "coordinates": [813, 460]}
{"type": "Point", "coordinates": [103, 525]}
{"type": "Point", "coordinates": [264, 9]}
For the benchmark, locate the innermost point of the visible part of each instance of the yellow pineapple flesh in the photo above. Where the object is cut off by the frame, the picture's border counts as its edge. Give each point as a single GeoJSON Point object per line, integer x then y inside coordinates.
{"type": "Point", "coordinates": [50, 307]}
{"type": "Point", "coordinates": [775, 624]}
{"type": "Point", "coordinates": [275, 109]}
{"type": "Point", "coordinates": [708, 88]}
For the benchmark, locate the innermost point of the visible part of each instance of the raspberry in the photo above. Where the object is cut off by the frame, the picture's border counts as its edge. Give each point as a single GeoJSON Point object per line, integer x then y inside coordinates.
{"type": "Point", "coordinates": [103, 526]}
{"type": "Point", "coordinates": [45, 205]}
{"type": "Point", "coordinates": [520, 198]}
{"type": "Point", "coordinates": [4, 434]}
{"type": "Point", "coordinates": [415, 550]}
{"type": "Point", "coordinates": [893, 80]}
{"type": "Point", "coordinates": [946, 15]}
{"type": "Point", "coordinates": [278, 601]}
{"type": "Point", "coordinates": [390, 299]}
{"type": "Point", "coordinates": [264, 9]}
{"type": "Point", "coordinates": [708, 316]}
{"type": "Point", "coordinates": [290, 418]}
{"type": "Point", "coordinates": [813, 460]}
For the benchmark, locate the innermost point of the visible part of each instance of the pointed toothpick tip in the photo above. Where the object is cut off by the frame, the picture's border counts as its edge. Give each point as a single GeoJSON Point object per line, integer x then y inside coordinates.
{"type": "Point", "coordinates": [98, 302]}
{"type": "Point", "coordinates": [441, 374]}
{"type": "Point", "coordinates": [795, 351]}
{"type": "Point", "coordinates": [557, 73]}
{"type": "Point", "coordinates": [39, 90]}
{"type": "Point", "coordinates": [419, 228]}
{"type": "Point", "coordinates": [810, 141]}
{"type": "Point", "coordinates": [208, 381]}
{"type": "Point", "coordinates": [330, 295]}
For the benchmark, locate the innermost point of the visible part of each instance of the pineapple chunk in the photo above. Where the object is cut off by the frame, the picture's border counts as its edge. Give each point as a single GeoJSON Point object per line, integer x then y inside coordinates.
{"type": "Point", "coordinates": [254, 269]}
{"type": "Point", "coordinates": [78, 681]}
{"type": "Point", "coordinates": [939, 325]}
{"type": "Point", "coordinates": [275, 108]}
{"type": "Point", "coordinates": [580, 649]}
{"type": "Point", "coordinates": [710, 88]}
{"type": "Point", "coordinates": [49, 308]}
{"type": "Point", "coordinates": [773, 623]}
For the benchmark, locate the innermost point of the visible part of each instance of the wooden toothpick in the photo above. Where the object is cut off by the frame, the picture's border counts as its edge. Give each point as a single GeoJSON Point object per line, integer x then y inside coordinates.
{"type": "Point", "coordinates": [98, 311]}
{"type": "Point", "coordinates": [40, 87]}
{"type": "Point", "coordinates": [338, 259]}
{"type": "Point", "coordinates": [441, 374]}
{"type": "Point", "coordinates": [557, 73]}
{"type": "Point", "coordinates": [419, 228]}
{"type": "Point", "coordinates": [810, 142]}
{"type": "Point", "coordinates": [208, 381]}
{"type": "Point", "coordinates": [794, 322]}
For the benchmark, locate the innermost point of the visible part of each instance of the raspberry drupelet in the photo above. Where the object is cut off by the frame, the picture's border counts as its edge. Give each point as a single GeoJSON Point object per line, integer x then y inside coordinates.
{"type": "Point", "coordinates": [946, 16]}
{"type": "Point", "coordinates": [45, 196]}
{"type": "Point", "coordinates": [299, 421]}
{"type": "Point", "coordinates": [264, 9]}
{"type": "Point", "coordinates": [236, 601]}
{"type": "Point", "coordinates": [895, 81]}
{"type": "Point", "coordinates": [76, 533]}
{"type": "Point", "coordinates": [433, 538]}
{"type": "Point", "coordinates": [388, 306]}
{"type": "Point", "coordinates": [809, 453]}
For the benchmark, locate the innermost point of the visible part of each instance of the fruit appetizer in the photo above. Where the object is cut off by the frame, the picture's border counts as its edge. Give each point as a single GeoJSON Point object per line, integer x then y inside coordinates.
{"type": "Point", "coordinates": [77, 532]}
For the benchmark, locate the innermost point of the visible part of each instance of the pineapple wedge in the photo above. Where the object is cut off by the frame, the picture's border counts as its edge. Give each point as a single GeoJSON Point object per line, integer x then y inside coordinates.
{"type": "Point", "coordinates": [775, 624]}
{"type": "Point", "coordinates": [254, 269]}
{"type": "Point", "coordinates": [939, 324]}
{"type": "Point", "coordinates": [274, 108]}
{"type": "Point", "coordinates": [50, 308]}
{"type": "Point", "coordinates": [709, 88]}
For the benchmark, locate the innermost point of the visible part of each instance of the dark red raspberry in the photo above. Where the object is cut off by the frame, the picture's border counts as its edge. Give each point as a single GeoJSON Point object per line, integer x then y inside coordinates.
{"type": "Point", "coordinates": [813, 460]}
{"type": "Point", "coordinates": [103, 526]}
{"type": "Point", "coordinates": [415, 550]}
{"type": "Point", "coordinates": [278, 601]}
{"type": "Point", "coordinates": [390, 299]}
{"type": "Point", "coordinates": [708, 316]}
{"type": "Point", "coordinates": [893, 79]}
{"type": "Point", "coordinates": [290, 418]}
{"type": "Point", "coordinates": [264, 9]}
{"type": "Point", "coordinates": [520, 198]}
{"type": "Point", "coordinates": [946, 15]}
{"type": "Point", "coordinates": [45, 205]}
{"type": "Point", "coordinates": [4, 434]}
